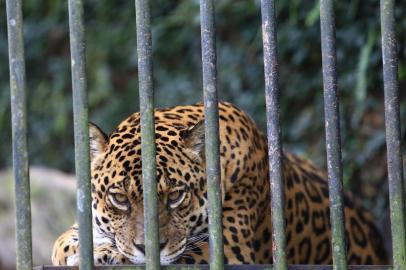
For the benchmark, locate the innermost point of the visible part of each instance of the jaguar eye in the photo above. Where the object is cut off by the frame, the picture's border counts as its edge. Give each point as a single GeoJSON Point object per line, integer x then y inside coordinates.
{"type": "Point", "coordinates": [119, 200]}
{"type": "Point", "coordinates": [175, 198]}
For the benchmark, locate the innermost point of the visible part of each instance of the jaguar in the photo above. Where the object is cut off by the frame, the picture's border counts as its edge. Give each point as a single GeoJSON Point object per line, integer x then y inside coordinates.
{"type": "Point", "coordinates": [117, 197]}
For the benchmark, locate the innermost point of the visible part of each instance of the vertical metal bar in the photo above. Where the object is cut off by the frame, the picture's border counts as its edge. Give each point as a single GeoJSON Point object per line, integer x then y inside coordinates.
{"type": "Point", "coordinates": [19, 133]}
{"type": "Point", "coordinates": [333, 140]}
{"type": "Point", "coordinates": [393, 136]}
{"type": "Point", "coordinates": [80, 117]}
{"type": "Point", "coordinates": [273, 133]}
{"type": "Point", "coordinates": [148, 150]}
{"type": "Point", "coordinates": [212, 143]}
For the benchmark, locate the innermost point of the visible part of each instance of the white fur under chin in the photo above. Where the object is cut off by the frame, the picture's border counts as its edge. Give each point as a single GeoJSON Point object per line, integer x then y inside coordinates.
{"type": "Point", "coordinates": [163, 260]}
{"type": "Point", "coordinates": [73, 260]}
{"type": "Point", "coordinates": [139, 257]}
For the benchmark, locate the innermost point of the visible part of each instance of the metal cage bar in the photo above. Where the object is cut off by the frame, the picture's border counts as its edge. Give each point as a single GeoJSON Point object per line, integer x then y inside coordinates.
{"type": "Point", "coordinates": [148, 149]}
{"type": "Point", "coordinates": [274, 133]}
{"type": "Point", "coordinates": [81, 131]}
{"type": "Point", "coordinates": [19, 133]}
{"type": "Point", "coordinates": [333, 140]}
{"type": "Point", "coordinates": [212, 143]}
{"type": "Point", "coordinates": [393, 136]}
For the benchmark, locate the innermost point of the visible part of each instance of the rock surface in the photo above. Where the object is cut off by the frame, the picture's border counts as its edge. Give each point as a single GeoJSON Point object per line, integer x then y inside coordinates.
{"type": "Point", "coordinates": [53, 211]}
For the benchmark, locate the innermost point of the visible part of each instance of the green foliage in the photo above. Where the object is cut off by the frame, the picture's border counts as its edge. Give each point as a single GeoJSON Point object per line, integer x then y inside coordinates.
{"type": "Point", "coordinates": [112, 73]}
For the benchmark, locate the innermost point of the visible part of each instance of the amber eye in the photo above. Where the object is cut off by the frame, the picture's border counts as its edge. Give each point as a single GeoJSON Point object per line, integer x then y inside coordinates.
{"type": "Point", "coordinates": [119, 200]}
{"type": "Point", "coordinates": [175, 198]}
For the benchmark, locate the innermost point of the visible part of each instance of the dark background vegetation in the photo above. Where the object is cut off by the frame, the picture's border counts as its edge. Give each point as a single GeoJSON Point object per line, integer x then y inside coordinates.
{"type": "Point", "coordinates": [113, 86]}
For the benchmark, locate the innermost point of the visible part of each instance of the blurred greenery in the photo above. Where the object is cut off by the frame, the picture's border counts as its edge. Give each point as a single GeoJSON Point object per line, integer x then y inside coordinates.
{"type": "Point", "coordinates": [112, 75]}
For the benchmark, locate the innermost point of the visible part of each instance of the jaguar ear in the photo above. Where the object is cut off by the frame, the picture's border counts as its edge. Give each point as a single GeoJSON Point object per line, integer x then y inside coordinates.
{"type": "Point", "coordinates": [97, 141]}
{"type": "Point", "coordinates": [193, 138]}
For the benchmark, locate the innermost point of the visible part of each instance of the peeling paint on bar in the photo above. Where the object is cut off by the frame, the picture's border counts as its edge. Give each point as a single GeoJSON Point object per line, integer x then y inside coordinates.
{"type": "Point", "coordinates": [212, 144]}
{"type": "Point", "coordinates": [80, 116]}
{"type": "Point", "coordinates": [148, 149]}
{"type": "Point", "coordinates": [393, 136]}
{"type": "Point", "coordinates": [333, 140]}
{"type": "Point", "coordinates": [274, 133]}
{"type": "Point", "coordinates": [19, 133]}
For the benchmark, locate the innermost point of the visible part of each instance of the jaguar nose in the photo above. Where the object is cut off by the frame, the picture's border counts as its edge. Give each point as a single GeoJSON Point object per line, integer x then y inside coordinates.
{"type": "Point", "coordinates": [140, 248]}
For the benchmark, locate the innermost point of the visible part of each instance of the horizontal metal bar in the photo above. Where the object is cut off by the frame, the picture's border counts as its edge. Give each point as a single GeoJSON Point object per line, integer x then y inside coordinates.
{"type": "Point", "coordinates": [226, 267]}
{"type": "Point", "coordinates": [393, 136]}
{"type": "Point", "coordinates": [148, 149]}
{"type": "Point", "coordinates": [81, 131]}
{"type": "Point", "coordinates": [19, 133]}
{"type": "Point", "coordinates": [212, 142]}
{"type": "Point", "coordinates": [333, 140]}
{"type": "Point", "coordinates": [273, 133]}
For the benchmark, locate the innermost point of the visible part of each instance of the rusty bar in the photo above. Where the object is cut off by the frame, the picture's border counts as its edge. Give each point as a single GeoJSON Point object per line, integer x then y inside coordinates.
{"type": "Point", "coordinates": [333, 140]}
{"type": "Point", "coordinates": [274, 133]}
{"type": "Point", "coordinates": [148, 149]}
{"type": "Point", "coordinates": [19, 133]}
{"type": "Point", "coordinates": [393, 136]}
{"type": "Point", "coordinates": [212, 143]}
{"type": "Point", "coordinates": [80, 123]}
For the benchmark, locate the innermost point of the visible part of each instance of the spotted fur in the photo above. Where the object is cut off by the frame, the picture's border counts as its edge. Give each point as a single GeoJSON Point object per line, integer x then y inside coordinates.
{"type": "Point", "coordinates": [117, 195]}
